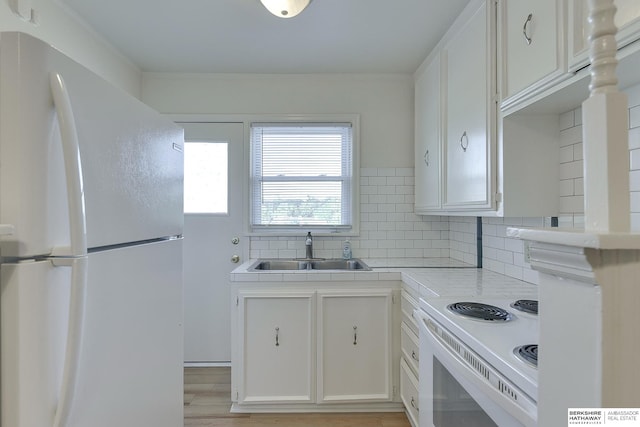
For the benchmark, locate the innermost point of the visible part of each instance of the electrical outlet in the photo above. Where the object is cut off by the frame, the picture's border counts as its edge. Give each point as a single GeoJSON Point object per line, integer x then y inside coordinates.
{"type": "Point", "coordinates": [527, 252]}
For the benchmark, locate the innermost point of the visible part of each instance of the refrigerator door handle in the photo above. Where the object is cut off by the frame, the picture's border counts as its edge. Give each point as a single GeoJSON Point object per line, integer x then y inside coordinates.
{"type": "Point", "coordinates": [79, 269]}
{"type": "Point", "coordinates": [73, 169]}
{"type": "Point", "coordinates": [76, 255]}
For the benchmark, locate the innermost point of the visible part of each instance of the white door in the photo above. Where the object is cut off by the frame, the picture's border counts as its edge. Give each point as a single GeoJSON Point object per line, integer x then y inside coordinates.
{"type": "Point", "coordinates": [277, 346]}
{"type": "Point", "coordinates": [427, 145]}
{"type": "Point", "coordinates": [212, 236]}
{"type": "Point", "coordinates": [467, 133]}
{"type": "Point", "coordinates": [354, 346]}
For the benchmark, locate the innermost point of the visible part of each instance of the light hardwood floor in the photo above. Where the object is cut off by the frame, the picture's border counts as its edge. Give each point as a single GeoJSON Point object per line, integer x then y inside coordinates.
{"type": "Point", "coordinates": [207, 400]}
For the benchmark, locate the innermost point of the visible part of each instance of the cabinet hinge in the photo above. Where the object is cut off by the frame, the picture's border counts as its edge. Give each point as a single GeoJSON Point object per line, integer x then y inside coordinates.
{"type": "Point", "coordinates": [498, 197]}
{"type": "Point", "coordinates": [237, 396]}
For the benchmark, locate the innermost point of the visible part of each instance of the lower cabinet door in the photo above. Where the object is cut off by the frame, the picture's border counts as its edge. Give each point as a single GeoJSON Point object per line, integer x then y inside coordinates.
{"type": "Point", "coordinates": [277, 350]}
{"type": "Point", "coordinates": [354, 346]}
{"type": "Point", "coordinates": [409, 392]}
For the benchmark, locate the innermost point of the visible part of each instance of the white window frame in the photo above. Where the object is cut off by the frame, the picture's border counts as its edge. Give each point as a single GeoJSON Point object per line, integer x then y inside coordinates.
{"type": "Point", "coordinates": [283, 230]}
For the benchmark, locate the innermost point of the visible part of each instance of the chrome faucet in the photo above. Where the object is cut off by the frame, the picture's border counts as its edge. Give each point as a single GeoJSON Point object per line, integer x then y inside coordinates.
{"type": "Point", "coordinates": [309, 244]}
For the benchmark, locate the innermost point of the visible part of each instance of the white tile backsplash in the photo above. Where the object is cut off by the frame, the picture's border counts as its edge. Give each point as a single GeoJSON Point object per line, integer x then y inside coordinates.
{"type": "Point", "coordinates": [388, 226]}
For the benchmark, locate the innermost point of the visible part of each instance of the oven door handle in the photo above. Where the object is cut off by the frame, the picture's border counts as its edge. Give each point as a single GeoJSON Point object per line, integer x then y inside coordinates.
{"type": "Point", "coordinates": [527, 417]}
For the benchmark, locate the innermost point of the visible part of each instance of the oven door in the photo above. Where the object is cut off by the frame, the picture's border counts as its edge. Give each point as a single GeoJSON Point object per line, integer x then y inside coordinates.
{"type": "Point", "coordinates": [452, 394]}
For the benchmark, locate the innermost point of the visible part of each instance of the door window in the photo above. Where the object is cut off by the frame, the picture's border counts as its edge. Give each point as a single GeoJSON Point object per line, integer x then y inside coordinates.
{"type": "Point", "coordinates": [206, 177]}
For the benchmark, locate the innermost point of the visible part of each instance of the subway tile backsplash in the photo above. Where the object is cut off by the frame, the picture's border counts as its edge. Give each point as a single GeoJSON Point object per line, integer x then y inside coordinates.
{"type": "Point", "coordinates": [388, 226]}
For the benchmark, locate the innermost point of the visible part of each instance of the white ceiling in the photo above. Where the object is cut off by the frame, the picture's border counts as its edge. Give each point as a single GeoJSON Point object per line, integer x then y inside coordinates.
{"type": "Point", "coordinates": [240, 36]}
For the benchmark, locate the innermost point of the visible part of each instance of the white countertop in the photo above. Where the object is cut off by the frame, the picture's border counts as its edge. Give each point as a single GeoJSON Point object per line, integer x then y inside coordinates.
{"type": "Point", "coordinates": [471, 282]}
{"type": "Point", "coordinates": [577, 237]}
{"type": "Point", "coordinates": [430, 277]}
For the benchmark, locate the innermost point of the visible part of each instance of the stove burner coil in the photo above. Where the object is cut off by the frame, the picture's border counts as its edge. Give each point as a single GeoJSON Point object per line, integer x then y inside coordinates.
{"type": "Point", "coordinates": [480, 311]}
{"type": "Point", "coordinates": [526, 305]}
{"type": "Point", "coordinates": [528, 353]}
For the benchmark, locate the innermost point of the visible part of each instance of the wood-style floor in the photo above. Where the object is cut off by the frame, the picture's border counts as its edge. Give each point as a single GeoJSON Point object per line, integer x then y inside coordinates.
{"type": "Point", "coordinates": [207, 400]}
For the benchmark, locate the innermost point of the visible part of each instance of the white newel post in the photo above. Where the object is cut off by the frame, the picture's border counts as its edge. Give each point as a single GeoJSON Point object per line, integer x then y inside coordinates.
{"type": "Point", "coordinates": [605, 130]}
{"type": "Point", "coordinates": [589, 290]}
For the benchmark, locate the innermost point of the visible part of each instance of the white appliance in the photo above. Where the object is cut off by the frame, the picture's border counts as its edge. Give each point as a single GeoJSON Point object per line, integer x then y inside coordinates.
{"type": "Point", "coordinates": [470, 371]}
{"type": "Point", "coordinates": [91, 272]}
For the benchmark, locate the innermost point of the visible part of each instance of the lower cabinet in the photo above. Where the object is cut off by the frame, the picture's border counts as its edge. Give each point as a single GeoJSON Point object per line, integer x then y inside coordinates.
{"type": "Point", "coordinates": [409, 392]}
{"type": "Point", "coordinates": [354, 346]}
{"type": "Point", "coordinates": [410, 350]}
{"type": "Point", "coordinates": [277, 349]}
{"type": "Point", "coordinates": [299, 350]}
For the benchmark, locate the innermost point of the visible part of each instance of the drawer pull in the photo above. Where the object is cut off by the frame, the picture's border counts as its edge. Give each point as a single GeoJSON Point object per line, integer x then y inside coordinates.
{"type": "Point", "coordinates": [413, 403]}
{"type": "Point", "coordinates": [355, 335]}
{"type": "Point", "coordinates": [277, 336]}
{"type": "Point", "coordinates": [414, 356]}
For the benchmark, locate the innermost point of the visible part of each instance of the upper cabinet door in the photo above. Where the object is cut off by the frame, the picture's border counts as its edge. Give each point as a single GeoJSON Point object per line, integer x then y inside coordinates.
{"type": "Point", "coordinates": [427, 137]}
{"type": "Point", "coordinates": [533, 46]}
{"type": "Point", "coordinates": [627, 20]}
{"type": "Point", "coordinates": [468, 58]}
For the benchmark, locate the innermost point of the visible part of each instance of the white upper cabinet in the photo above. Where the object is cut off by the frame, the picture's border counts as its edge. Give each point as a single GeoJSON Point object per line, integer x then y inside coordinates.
{"type": "Point", "coordinates": [455, 118]}
{"type": "Point", "coordinates": [627, 19]}
{"type": "Point", "coordinates": [469, 113]}
{"type": "Point", "coordinates": [469, 160]}
{"type": "Point", "coordinates": [427, 136]}
{"type": "Point", "coordinates": [532, 43]}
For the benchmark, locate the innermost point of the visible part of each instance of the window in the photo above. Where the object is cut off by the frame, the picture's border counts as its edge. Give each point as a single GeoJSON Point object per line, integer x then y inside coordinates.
{"type": "Point", "coordinates": [302, 176]}
{"type": "Point", "coordinates": [205, 177]}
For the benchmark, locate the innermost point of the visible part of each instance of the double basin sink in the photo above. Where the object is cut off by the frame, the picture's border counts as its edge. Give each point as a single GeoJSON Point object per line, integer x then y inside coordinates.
{"type": "Point", "coordinates": [353, 264]}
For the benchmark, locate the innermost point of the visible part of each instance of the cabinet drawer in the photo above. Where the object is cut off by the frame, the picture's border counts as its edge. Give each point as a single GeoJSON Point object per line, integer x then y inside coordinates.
{"type": "Point", "coordinates": [409, 392]}
{"type": "Point", "coordinates": [410, 347]}
{"type": "Point", "coordinates": [407, 305]}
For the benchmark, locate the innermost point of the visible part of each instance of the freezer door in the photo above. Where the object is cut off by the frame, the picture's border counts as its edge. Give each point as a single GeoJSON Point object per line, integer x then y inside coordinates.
{"type": "Point", "coordinates": [130, 370]}
{"type": "Point", "coordinates": [34, 309]}
{"type": "Point", "coordinates": [131, 156]}
{"type": "Point", "coordinates": [131, 364]}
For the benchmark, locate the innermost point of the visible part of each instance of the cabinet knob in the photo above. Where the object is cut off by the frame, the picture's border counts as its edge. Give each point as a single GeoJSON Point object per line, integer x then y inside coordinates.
{"type": "Point", "coordinates": [525, 29]}
{"type": "Point", "coordinates": [235, 240]}
{"type": "Point", "coordinates": [464, 141]}
{"type": "Point", "coordinates": [414, 357]}
{"type": "Point", "coordinates": [235, 259]}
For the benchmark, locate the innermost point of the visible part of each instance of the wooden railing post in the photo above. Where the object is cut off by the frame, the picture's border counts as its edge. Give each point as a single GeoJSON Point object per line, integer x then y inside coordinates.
{"type": "Point", "coordinates": [605, 130]}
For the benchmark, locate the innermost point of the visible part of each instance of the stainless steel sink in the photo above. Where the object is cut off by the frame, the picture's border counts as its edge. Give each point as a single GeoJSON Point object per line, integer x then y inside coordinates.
{"type": "Point", "coordinates": [309, 264]}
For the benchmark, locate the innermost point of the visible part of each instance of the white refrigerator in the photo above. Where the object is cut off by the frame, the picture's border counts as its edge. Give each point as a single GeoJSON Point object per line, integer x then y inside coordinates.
{"type": "Point", "coordinates": [91, 249]}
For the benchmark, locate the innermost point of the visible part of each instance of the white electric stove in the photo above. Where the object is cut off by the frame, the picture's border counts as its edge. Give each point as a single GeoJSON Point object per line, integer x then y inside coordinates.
{"type": "Point", "coordinates": [493, 340]}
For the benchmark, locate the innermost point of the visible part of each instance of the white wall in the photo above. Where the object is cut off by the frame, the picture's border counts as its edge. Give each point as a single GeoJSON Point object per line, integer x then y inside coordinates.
{"type": "Point", "coordinates": [71, 36]}
{"type": "Point", "coordinates": [384, 102]}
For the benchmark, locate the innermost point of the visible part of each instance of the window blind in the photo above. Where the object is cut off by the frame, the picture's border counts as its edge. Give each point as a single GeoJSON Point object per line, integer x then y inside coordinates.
{"type": "Point", "coordinates": [301, 175]}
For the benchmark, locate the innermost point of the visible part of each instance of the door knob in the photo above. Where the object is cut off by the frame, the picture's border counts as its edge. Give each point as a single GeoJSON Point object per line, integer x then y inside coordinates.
{"type": "Point", "coordinates": [235, 259]}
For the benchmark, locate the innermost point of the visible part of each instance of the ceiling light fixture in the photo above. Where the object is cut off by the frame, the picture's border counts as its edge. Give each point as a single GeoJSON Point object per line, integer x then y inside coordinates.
{"type": "Point", "coordinates": [285, 8]}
